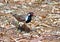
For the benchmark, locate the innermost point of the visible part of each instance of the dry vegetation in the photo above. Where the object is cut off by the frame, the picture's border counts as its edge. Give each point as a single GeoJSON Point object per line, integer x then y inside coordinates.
{"type": "Point", "coordinates": [45, 27]}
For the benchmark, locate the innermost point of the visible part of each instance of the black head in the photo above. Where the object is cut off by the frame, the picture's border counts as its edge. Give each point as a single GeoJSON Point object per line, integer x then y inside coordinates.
{"type": "Point", "coordinates": [31, 13]}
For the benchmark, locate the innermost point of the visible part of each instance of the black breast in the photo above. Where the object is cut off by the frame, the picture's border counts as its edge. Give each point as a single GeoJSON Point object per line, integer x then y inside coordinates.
{"type": "Point", "coordinates": [29, 19]}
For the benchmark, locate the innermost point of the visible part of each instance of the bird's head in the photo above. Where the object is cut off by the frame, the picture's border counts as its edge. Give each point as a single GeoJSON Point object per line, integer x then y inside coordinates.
{"type": "Point", "coordinates": [30, 14]}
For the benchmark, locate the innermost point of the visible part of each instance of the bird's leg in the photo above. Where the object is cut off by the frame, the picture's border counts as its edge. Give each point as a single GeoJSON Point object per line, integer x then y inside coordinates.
{"type": "Point", "coordinates": [24, 28]}
{"type": "Point", "coordinates": [24, 25]}
{"type": "Point", "coordinates": [19, 28]}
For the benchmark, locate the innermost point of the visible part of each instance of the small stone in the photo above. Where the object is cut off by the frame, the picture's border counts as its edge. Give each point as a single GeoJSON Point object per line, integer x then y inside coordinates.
{"type": "Point", "coordinates": [39, 41]}
{"type": "Point", "coordinates": [30, 3]}
{"type": "Point", "coordinates": [1, 4]}
{"type": "Point", "coordinates": [2, 25]}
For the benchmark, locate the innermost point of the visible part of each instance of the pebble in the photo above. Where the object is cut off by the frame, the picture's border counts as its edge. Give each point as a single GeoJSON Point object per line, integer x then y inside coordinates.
{"type": "Point", "coordinates": [1, 4]}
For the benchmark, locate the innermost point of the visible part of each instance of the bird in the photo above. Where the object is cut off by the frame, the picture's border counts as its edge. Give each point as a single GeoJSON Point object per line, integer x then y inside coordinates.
{"type": "Point", "coordinates": [27, 17]}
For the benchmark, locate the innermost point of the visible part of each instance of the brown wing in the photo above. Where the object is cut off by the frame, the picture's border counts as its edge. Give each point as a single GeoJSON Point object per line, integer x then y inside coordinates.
{"type": "Point", "coordinates": [20, 17]}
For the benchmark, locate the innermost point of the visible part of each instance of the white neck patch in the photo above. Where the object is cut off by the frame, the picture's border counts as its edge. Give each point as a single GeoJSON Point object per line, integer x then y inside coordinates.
{"type": "Point", "coordinates": [26, 18]}
{"type": "Point", "coordinates": [28, 14]}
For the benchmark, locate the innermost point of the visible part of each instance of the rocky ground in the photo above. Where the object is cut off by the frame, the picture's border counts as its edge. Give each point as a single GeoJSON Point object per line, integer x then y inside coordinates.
{"type": "Point", "coordinates": [44, 27]}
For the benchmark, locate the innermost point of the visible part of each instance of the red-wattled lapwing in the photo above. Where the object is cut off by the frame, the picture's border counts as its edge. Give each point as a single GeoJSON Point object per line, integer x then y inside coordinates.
{"type": "Point", "coordinates": [24, 18]}
{"type": "Point", "coordinates": [27, 18]}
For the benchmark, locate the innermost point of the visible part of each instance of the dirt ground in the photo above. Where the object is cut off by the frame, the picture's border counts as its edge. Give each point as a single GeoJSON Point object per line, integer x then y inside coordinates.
{"type": "Point", "coordinates": [44, 27]}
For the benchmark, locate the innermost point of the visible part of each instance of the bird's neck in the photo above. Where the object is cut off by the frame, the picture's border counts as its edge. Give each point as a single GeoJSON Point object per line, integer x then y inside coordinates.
{"type": "Point", "coordinates": [28, 17]}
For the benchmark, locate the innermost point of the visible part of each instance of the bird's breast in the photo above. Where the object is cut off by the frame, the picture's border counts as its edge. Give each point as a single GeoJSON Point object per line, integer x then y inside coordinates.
{"type": "Point", "coordinates": [28, 20]}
